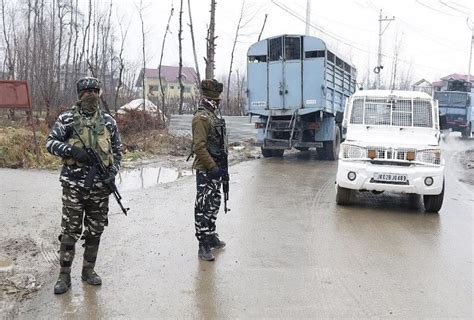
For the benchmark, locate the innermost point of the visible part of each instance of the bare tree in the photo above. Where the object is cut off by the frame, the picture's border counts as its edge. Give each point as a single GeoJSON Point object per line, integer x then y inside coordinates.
{"type": "Point", "coordinates": [162, 90]}
{"type": "Point", "coordinates": [121, 64]}
{"type": "Point", "coordinates": [180, 68]}
{"type": "Point", "coordinates": [237, 30]}
{"type": "Point", "coordinates": [211, 43]}
{"type": "Point", "coordinates": [194, 45]}
{"type": "Point", "coordinates": [263, 26]}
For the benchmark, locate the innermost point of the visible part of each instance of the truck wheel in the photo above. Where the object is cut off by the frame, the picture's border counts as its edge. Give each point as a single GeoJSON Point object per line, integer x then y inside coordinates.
{"type": "Point", "coordinates": [278, 152]}
{"type": "Point", "coordinates": [331, 148]}
{"type": "Point", "coordinates": [466, 132]}
{"type": "Point", "coordinates": [266, 153]}
{"type": "Point", "coordinates": [343, 196]}
{"type": "Point", "coordinates": [433, 203]}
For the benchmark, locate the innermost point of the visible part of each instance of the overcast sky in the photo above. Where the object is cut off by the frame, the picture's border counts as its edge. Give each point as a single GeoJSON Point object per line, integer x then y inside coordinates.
{"type": "Point", "coordinates": [434, 34]}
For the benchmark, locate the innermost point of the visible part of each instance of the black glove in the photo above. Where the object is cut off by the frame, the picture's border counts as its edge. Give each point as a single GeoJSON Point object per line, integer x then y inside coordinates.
{"type": "Point", "coordinates": [109, 179]}
{"type": "Point", "coordinates": [216, 173]}
{"type": "Point", "coordinates": [80, 155]}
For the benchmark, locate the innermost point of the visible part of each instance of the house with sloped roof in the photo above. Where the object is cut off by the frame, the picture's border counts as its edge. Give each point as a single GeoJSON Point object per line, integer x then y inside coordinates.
{"type": "Point", "coordinates": [170, 82]}
{"type": "Point", "coordinates": [442, 84]}
{"type": "Point", "coordinates": [423, 85]}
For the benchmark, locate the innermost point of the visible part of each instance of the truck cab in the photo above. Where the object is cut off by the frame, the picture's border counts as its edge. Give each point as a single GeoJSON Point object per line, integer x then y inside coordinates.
{"type": "Point", "coordinates": [392, 144]}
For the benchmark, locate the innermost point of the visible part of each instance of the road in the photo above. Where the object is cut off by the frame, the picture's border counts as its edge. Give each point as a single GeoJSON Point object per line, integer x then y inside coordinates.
{"type": "Point", "coordinates": [238, 128]}
{"type": "Point", "coordinates": [291, 253]}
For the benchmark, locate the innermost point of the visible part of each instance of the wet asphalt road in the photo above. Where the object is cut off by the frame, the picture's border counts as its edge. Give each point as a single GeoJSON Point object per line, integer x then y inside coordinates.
{"type": "Point", "coordinates": [291, 253]}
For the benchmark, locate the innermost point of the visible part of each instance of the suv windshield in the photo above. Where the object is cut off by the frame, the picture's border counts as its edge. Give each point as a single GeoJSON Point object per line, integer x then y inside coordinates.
{"type": "Point", "coordinates": [398, 112]}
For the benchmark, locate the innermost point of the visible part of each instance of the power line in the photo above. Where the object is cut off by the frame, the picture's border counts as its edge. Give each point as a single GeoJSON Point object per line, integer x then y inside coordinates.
{"type": "Point", "coordinates": [453, 8]}
{"type": "Point", "coordinates": [434, 9]}
{"type": "Point", "coordinates": [346, 42]}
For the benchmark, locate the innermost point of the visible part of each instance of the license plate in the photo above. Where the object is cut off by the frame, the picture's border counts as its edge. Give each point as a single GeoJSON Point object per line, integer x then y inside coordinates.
{"type": "Point", "coordinates": [390, 177]}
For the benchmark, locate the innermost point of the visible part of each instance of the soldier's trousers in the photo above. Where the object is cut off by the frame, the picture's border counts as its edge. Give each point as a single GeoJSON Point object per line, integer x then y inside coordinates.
{"type": "Point", "coordinates": [206, 207]}
{"type": "Point", "coordinates": [90, 208]}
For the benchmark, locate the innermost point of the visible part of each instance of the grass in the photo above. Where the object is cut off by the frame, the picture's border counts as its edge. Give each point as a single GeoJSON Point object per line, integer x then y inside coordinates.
{"type": "Point", "coordinates": [17, 147]}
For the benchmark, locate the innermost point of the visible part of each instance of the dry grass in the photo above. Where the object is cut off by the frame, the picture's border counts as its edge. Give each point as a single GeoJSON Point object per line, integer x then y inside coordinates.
{"type": "Point", "coordinates": [17, 147]}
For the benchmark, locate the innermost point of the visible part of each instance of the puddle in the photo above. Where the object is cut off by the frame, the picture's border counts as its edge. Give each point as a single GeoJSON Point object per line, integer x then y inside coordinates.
{"type": "Point", "coordinates": [146, 177]}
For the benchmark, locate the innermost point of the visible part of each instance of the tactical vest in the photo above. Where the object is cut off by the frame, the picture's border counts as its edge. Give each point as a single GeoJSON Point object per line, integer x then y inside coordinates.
{"type": "Point", "coordinates": [217, 136]}
{"type": "Point", "coordinates": [95, 134]}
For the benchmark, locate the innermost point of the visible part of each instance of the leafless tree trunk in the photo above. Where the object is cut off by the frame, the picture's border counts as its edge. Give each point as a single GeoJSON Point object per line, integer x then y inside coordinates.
{"type": "Point", "coordinates": [263, 26]}
{"type": "Point", "coordinates": [121, 63]}
{"type": "Point", "coordinates": [211, 43]}
{"type": "Point", "coordinates": [10, 51]}
{"type": "Point", "coordinates": [162, 90]}
{"type": "Point", "coordinates": [140, 12]}
{"type": "Point", "coordinates": [232, 54]}
{"type": "Point", "coordinates": [180, 69]}
{"type": "Point", "coordinates": [194, 45]}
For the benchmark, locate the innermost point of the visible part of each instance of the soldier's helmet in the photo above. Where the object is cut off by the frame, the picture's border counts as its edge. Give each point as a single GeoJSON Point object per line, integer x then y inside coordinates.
{"type": "Point", "coordinates": [87, 83]}
{"type": "Point", "coordinates": [211, 89]}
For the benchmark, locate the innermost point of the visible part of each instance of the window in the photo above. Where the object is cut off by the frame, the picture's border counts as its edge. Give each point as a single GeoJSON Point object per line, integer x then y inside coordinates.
{"type": "Point", "coordinates": [171, 86]}
{"type": "Point", "coordinates": [256, 59]}
{"type": "Point", "coordinates": [315, 54]}
{"type": "Point", "coordinates": [330, 56]}
{"type": "Point", "coordinates": [275, 49]}
{"type": "Point", "coordinates": [153, 88]}
{"type": "Point", "coordinates": [292, 48]}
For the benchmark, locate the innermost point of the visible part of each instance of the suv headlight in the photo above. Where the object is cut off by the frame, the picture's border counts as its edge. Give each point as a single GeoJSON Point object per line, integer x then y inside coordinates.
{"type": "Point", "coordinates": [432, 156]}
{"type": "Point", "coordinates": [350, 151]}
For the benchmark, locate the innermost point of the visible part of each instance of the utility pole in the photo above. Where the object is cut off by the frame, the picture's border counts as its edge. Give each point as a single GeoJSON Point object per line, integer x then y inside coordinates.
{"type": "Point", "coordinates": [471, 27]}
{"type": "Point", "coordinates": [308, 17]}
{"type": "Point", "coordinates": [379, 66]}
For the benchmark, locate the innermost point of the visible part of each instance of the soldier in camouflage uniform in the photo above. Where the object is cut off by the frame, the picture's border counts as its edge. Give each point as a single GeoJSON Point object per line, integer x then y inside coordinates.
{"type": "Point", "coordinates": [209, 144]}
{"type": "Point", "coordinates": [85, 197]}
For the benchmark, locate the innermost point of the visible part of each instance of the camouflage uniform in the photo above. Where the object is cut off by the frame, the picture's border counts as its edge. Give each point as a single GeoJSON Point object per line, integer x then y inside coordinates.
{"type": "Point", "coordinates": [85, 197]}
{"type": "Point", "coordinates": [209, 144]}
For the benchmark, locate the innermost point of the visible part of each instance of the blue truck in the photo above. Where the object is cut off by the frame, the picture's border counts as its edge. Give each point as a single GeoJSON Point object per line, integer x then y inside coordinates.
{"type": "Point", "coordinates": [455, 106]}
{"type": "Point", "coordinates": [298, 89]}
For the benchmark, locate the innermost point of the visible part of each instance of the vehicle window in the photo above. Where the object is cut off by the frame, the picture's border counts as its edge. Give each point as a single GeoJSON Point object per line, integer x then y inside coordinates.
{"type": "Point", "coordinates": [422, 115]}
{"type": "Point", "coordinates": [275, 49]}
{"type": "Point", "coordinates": [292, 48]}
{"type": "Point", "coordinates": [377, 113]}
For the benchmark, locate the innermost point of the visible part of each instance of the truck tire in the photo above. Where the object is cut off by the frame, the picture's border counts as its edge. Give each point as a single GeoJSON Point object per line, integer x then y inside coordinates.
{"type": "Point", "coordinates": [331, 148]}
{"type": "Point", "coordinates": [433, 203]}
{"type": "Point", "coordinates": [278, 152]}
{"type": "Point", "coordinates": [266, 153]}
{"type": "Point", "coordinates": [343, 196]}
{"type": "Point", "coordinates": [466, 133]}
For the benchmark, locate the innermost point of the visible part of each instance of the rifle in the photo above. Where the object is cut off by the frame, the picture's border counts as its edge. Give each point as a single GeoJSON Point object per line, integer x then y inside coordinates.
{"type": "Point", "coordinates": [225, 181]}
{"type": "Point", "coordinates": [103, 173]}
{"type": "Point", "coordinates": [224, 163]}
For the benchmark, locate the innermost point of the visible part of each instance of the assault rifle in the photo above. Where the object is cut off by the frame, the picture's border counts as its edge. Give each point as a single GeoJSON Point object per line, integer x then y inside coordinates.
{"type": "Point", "coordinates": [104, 175]}
{"type": "Point", "coordinates": [224, 163]}
{"type": "Point", "coordinates": [225, 180]}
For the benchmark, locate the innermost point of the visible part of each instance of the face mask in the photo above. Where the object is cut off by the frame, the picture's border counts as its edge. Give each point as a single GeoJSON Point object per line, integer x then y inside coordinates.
{"type": "Point", "coordinates": [89, 102]}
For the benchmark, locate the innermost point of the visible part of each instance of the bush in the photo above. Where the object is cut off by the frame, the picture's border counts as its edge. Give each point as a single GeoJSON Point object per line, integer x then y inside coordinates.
{"type": "Point", "coordinates": [135, 121]}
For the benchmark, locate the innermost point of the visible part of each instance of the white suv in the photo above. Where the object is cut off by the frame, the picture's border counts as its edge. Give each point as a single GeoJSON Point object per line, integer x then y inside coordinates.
{"type": "Point", "coordinates": [392, 144]}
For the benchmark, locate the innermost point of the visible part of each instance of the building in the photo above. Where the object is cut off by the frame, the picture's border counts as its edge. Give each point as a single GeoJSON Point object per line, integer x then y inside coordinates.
{"type": "Point", "coordinates": [423, 85]}
{"type": "Point", "coordinates": [442, 85]}
{"type": "Point", "coordinates": [170, 81]}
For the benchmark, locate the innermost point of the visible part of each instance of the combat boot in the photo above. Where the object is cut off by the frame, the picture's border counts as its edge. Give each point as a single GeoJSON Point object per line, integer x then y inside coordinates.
{"type": "Point", "coordinates": [63, 284]}
{"type": "Point", "coordinates": [204, 252]}
{"type": "Point", "coordinates": [66, 256]}
{"type": "Point", "coordinates": [89, 276]}
{"type": "Point", "coordinates": [215, 242]}
{"type": "Point", "coordinates": [91, 247]}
